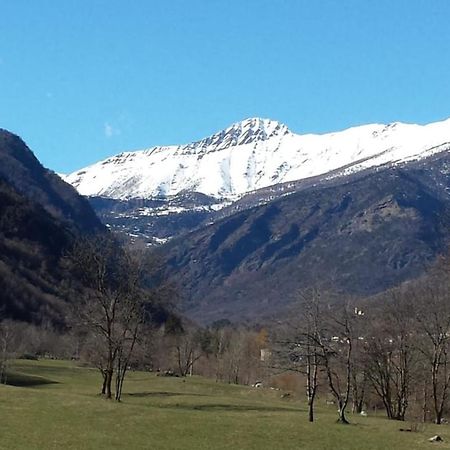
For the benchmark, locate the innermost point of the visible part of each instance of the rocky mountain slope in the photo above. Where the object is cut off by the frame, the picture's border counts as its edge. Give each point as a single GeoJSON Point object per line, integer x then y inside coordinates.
{"type": "Point", "coordinates": [360, 236]}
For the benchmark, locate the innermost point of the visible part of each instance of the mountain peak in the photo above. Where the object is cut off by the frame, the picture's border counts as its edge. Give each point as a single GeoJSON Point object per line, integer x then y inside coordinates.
{"type": "Point", "coordinates": [259, 123]}
{"type": "Point", "coordinates": [246, 131]}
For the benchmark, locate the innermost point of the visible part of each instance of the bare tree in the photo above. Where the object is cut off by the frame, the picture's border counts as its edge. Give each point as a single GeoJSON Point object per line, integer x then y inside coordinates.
{"type": "Point", "coordinates": [360, 378]}
{"type": "Point", "coordinates": [130, 327]}
{"type": "Point", "coordinates": [297, 347]}
{"type": "Point", "coordinates": [336, 346]}
{"type": "Point", "coordinates": [433, 318]}
{"type": "Point", "coordinates": [111, 305]}
{"type": "Point", "coordinates": [7, 335]}
{"type": "Point", "coordinates": [391, 354]}
{"type": "Point", "coordinates": [323, 339]}
{"type": "Point", "coordinates": [188, 350]}
{"type": "Point", "coordinates": [312, 316]}
{"type": "Point", "coordinates": [359, 388]}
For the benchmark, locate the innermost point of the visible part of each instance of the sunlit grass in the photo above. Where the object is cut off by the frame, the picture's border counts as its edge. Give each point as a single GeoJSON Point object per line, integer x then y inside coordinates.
{"type": "Point", "coordinates": [54, 405]}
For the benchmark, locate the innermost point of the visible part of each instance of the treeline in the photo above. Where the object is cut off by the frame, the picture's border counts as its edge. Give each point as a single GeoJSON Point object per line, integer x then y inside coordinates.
{"type": "Point", "coordinates": [394, 355]}
{"type": "Point", "coordinates": [122, 317]}
{"type": "Point", "coordinates": [223, 352]}
{"type": "Point", "coordinates": [28, 341]}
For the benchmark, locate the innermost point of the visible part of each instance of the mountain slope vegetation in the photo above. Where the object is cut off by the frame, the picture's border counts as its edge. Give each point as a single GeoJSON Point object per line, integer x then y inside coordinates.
{"type": "Point", "coordinates": [40, 218]}
{"type": "Point", "coordinates": [22, 170]}
{"type": "Point", "coordinates": [358, 236]}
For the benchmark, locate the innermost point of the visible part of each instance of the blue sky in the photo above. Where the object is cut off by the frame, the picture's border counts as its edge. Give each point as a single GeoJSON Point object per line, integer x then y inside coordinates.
{"type": "Point", "coordinates": [84, 79]}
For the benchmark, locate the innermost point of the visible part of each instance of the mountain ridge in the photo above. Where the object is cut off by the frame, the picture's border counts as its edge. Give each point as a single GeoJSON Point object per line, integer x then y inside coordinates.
{"type": "Point", "coordinates": [357, 235]}
{"type": "Point", "coordinates": [41, 217]}
{"type": "Point", "coordinates": [22, 170]}
{"type": "Point", "coordinates": [254, 154]}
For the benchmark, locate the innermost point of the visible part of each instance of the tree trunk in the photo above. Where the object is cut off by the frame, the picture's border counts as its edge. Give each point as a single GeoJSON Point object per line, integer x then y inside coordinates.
{"type": "Point", "coordinates": [342, 418]}
{"type": "Point", "coordinates": [119, 383]}
{"type": "Point", "coordinates": [104, 382]}
{"type": "Point", "coordinates": [311, 410]}
{"type": "Point", "coordinates": [358, 406]}
{"type": "Point", "coordinates": [108, 383]}
{"type": "Point", "coordinates": [311, 382]}
{"type": "Point", "coordinates": [357, 402]}
{"type": "Point", "coordinates": [438, 419]}
{"type": "Point", "coordinates": [425, 403]}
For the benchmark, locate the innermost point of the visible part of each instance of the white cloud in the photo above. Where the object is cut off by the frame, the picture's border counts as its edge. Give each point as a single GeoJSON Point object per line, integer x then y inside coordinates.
{"type": "Point", "coordinates": [110, 130]}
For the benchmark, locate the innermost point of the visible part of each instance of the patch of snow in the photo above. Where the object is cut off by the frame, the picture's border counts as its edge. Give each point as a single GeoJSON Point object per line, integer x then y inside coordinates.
{"type": "Point", "coordinates": [160, 241]}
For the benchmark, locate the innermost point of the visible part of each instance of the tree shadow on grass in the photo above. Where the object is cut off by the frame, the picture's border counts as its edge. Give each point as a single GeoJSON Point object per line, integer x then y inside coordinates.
{"type": "Point", "coordinates": [23, 380]}
{"type": "Point", "coordinates": [235, 408]}
{"type": "Point", "coordinates": [162, 394]}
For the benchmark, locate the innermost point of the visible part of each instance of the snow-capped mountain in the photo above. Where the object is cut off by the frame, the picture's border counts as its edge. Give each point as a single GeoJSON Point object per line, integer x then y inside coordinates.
{"type": "Point", "coordinates": [254, 154]}
{"type": "Point", "coordinates": [247, 217]}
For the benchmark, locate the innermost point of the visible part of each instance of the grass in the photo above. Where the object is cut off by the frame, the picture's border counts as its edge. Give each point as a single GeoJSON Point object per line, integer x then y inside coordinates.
{"type": "Point", "coordinates": [54, 405]}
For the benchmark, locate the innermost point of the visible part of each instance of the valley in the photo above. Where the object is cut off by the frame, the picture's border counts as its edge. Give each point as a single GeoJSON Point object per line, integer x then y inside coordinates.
{"type": "Point", "coordinates": [240, 243]}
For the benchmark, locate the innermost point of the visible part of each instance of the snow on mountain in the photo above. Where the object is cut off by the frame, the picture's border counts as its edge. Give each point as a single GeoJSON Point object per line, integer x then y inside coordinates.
{"type": "Point", "coordinates": [253, 154]}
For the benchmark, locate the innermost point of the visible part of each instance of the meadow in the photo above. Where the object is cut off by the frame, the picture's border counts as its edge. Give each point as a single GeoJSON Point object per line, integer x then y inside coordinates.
{"type": "Point", "coordinates": [54, 405]}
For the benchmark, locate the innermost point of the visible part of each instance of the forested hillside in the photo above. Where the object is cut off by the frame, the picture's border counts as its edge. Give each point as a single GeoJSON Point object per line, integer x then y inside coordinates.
{"type": "Point", "coordinates": [40, 218]}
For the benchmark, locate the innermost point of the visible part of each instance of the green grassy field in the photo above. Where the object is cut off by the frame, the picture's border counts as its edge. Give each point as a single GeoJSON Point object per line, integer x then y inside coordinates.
{"type": "Point", "coordinates": [54, 406]}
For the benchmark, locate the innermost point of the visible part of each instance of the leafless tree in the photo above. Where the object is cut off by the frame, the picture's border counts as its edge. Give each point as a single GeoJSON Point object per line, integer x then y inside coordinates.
{"type": "Point", "coordinates": [111, 305]}
{"type": "Point", "coordinates": [336, 349]}
{"type": "Point", "coordinates": [297, 347]}
{"type": "Point", "coordinates": [433, 318]}
{"type": "Point", "coordinates": [188, 350]}
{"type": "Point", "coordinates": [130, 326]}
{"type": "Point", "coordinates": [391, 355]}
{"type": "Point", "coordinates": [312, 357]}
{"type": "Point", "coordinates": [7, 351]}
{"type": "Point", "coordinates": [359, 389]}
{"type": "Point", "coordinates": [360, 378]}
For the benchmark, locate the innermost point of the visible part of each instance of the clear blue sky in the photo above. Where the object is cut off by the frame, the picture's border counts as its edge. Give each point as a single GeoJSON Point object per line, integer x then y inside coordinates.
{"type": "Point", "coordinates": [84, 79]}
